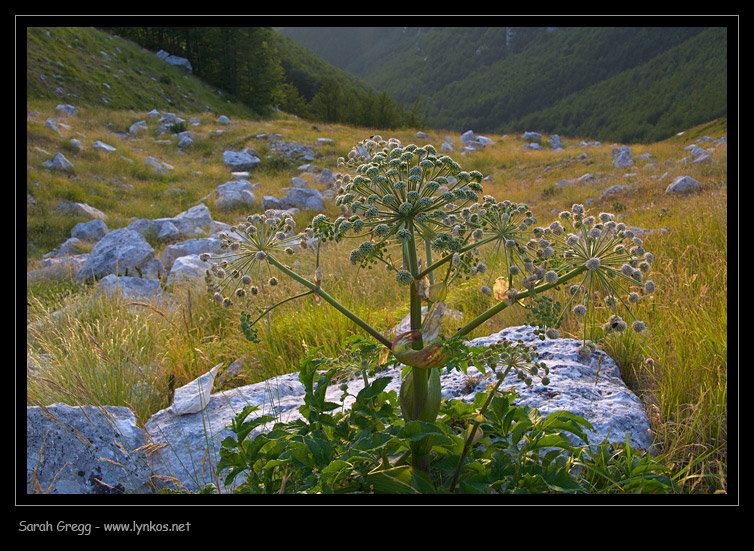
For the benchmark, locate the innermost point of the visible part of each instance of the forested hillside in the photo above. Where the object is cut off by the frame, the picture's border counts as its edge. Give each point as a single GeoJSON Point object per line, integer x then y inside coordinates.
{"type": "Point", "coordinates": [266, 70]}
{"type": "Point", "coordinates": [629, 84]}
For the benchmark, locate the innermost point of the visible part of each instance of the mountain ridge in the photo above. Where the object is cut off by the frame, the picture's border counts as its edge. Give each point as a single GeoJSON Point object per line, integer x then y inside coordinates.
{"type": "Point", "coordinates": [501, 79]}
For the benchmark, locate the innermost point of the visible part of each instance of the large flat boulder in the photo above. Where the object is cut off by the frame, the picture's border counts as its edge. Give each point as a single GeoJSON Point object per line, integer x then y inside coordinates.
{"type": "Point", "coordinates": [84, 450]}
{"type": "Point", "coordinates": [591, 388]}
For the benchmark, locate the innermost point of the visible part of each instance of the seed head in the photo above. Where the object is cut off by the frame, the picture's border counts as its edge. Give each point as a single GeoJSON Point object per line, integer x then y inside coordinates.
{"type": "Point", "coordinates": [579, 310]}
{"type": "Point", "coordinates": [592, 264]}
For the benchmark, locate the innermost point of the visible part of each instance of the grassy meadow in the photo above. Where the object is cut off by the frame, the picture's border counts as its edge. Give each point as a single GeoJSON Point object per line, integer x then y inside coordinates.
{"type": "Point", "coordinates": [90, 350]}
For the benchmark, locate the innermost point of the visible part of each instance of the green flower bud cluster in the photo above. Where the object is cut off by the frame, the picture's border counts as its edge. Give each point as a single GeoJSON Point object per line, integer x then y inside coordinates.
{"type": "Point", "coordinates": [398, 186]}
{"type": "Point", "coordinates": [500, 357]}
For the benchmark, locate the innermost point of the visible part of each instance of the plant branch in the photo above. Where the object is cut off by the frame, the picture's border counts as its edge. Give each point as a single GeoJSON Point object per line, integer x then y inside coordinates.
{"type": "Point", "coordinates": [327, 298]}
{"type": "Point", "coordinates": [494, 310]}
{"type": "Point", "coordinates": [449, 257]}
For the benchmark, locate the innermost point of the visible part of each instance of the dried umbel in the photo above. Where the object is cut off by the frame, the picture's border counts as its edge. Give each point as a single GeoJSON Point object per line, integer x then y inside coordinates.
{"type": "Point", "coordinates": [243, 260]}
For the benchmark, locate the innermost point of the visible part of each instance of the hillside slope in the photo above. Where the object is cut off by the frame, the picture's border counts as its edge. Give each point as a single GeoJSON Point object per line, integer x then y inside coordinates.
{"type": "Point", "coordinates": [504, 79]}
{"type": "Point", "coordinates": [90, 67]}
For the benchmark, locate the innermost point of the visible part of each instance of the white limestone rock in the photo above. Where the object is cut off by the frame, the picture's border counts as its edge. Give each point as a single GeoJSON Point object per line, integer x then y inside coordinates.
{"type": "Point", "coordinates": [84, 450]}
{"type": "Point", "coordinates": [591, 388]}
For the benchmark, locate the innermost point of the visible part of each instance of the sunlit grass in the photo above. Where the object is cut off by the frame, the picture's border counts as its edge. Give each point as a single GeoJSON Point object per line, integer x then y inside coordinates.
{"type": "Point", "coordinates": [100, 351]}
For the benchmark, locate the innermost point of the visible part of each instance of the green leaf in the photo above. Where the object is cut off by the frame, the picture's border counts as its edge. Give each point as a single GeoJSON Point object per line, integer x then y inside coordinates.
{"type": "Point", "coordinates": [397, 480]}
{"type": "Point", "coordinates": [519, 429]}
{"type": "Point", "coordinates": [320, 449]}
{"type": "Point", "coordinates": [374, 388]}
{"type": "Point", "coordinates": [414, 431]}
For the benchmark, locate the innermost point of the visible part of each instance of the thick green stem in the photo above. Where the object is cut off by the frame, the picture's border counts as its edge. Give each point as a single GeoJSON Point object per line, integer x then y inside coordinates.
{"type": "Point", "coordinates": [419, 459]}
{"type": "Point", "coordinates": [419, 375]}
{"type": "Point", "coordinates": [481, 318]}
{"type": "Point", "coordinates": [327, 298]}
{"type": "Point", "coordinates": [447, 258]}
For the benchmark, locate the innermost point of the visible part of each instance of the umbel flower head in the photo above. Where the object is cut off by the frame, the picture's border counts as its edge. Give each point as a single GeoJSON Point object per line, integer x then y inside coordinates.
{"type": "Point", "coordinates": [242, 263]}
{"type": "Point", "coordinates": [411, 196]}
{"type": "Point", "coordinates": [396, 187]}
{"type": "Point", "coordinates": [609, 259]}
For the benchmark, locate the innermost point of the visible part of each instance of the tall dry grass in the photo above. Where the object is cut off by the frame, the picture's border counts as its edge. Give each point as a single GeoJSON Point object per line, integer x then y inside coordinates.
{"type": "Point", "coordinates": [115, 352]}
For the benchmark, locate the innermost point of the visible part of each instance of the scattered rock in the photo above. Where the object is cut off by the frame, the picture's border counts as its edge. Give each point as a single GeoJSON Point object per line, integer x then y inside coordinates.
{"type": "Point", "coordinates": [93, 230]}
{"type": "Point", "coordinates": [192, 223]}
{"type": "Point", "coordinates": [57, 268]}
{"type": "Point", "coordinates": [298, 182]}
{"type": "Point", "coordinates": [84, 450]}
{"type": "Point", "coordinates": [101, 146]}
{"type": "Point", "coordinates": [232, 194]}
{"type": "Point", "coordinates": [67, 109]}
{"type": "Point", "coordinates": [533, 137]}
{"type": "Point", "coordinates": [682, 184]}
{"type": "Point", "coordinates": [187, 270]}
{"type": "Point", "coordinates": [591, 388]}
{"type": "Point", "coordinates": [158, 166]}
{"type": "Point", "coordinates": [132, 288]}
{"type": "Point", "coordinates": [120, 252]}
{"type": "Point", "coordinates": [240, 160]}
{"type": "Point", "coordinates": [185, 139]}
{"type": "Point", "coordinates": [174, 60]}
{"type": "Point", "coordinates": [194, 397]}
{"type": "Point", "coordinates": [588, 177]}
{"type": "Point", "coordinates": [304, 199]}
{"type": "Point", "coordinates": [69, 247]}
{"type": "Point", "coordinates": [138, 128]}
{"type": "Point", "coordinates": [79, 209]}
{"type": "Point", "coordinates": [59, 162]}
{"type": "Point", "coordinates": [622, 157]}
{"type": "Point", "coordinates": [186, 248]}
{"type": "Point", "coordinates": [472, 142]}
{"type": "Point", "coordinates": [614, 190]}
{"type": "Point", "coordinates": [270, 202]}
{"type": "Point", "coordinates": [326, 177]}
{"type": "Point", "coordinates": [50, 124]}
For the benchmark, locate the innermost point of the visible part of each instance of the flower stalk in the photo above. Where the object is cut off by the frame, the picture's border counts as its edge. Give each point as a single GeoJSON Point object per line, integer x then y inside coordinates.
{"type": "Point", "coordinates": [400, 196]}
{"type": "Point", "coordinates": [332, 301]}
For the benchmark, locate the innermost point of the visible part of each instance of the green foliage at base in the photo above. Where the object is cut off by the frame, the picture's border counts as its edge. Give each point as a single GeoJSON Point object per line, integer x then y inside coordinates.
{"type": "Point", "coordinates": [367, 448]}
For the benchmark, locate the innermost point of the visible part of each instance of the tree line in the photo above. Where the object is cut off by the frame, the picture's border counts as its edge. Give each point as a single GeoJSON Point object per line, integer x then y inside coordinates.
{"type": "Point", "coordinates": [266, 71]}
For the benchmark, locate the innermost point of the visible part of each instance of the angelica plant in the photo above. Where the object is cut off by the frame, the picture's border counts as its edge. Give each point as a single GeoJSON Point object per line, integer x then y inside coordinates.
{"type": "Point", "coordinates": [418, 214]}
